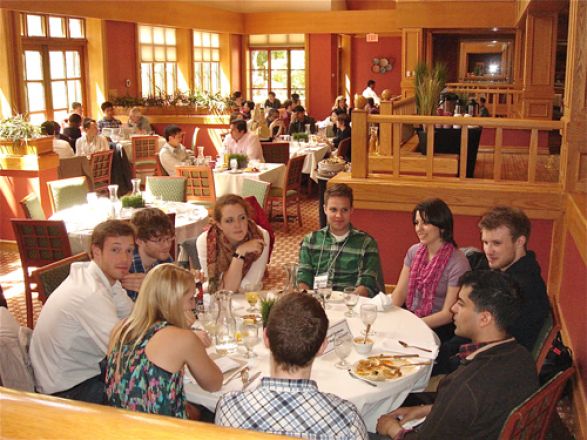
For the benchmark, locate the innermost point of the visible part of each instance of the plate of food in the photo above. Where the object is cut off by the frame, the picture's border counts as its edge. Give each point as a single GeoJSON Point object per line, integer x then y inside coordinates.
{"type": "Point", "coordinates": [336, 297]}
{"type": "Point", "coordinates": [381, 368]}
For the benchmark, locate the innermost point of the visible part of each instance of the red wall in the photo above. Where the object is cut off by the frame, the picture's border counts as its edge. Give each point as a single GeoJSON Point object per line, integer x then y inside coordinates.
{"type": "Point", "coordinates": [394, 233]}
{"type": "Point", "coordinates": [361, 61]}
{"type": "Point", "coordinates": [323, 78]}
{"type": "Point", "coordinates": [122, 58]}
{"type": "Point", "coordinates": [573, 303]}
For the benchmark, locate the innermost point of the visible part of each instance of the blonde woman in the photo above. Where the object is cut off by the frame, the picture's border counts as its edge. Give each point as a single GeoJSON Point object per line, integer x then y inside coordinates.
{"type": "Point", "coordinates": [149, 349]}
{"type": "Point", "coordinates": [340, 106]}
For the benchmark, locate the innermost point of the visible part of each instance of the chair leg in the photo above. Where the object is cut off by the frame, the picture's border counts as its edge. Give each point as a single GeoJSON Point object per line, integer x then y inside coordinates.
{"type": "Point", "coordinates": [299, 210]}
{"type": "Point", "coordinates": [28, 296]}
{"type": "Point", "coordinates": [285, 222]}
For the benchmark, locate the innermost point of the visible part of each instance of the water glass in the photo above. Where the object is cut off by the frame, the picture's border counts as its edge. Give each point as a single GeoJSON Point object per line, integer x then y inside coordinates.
{"type": "Point", "coordinates": [351, 298]}
{"type": "Point", "coordinates": [250, 338]}
{"type": "Point", "coordinates": [343, 345]}
{"type": "Point", "coordinates": [368, 314]}
{"type": "Point", "coordinates": [324, 293]}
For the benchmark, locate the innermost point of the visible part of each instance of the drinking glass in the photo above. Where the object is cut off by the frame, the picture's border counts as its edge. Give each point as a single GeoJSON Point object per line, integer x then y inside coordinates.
{"type": "Point", "coordinates": [343, 345]}
{"type": "Point", "coordinates": [368, 314]}
{"type": "Point", "coordinates": [351, 298]}
{"type": "Point", "coordinates": [325, 293]}
{"type": "Point", "coordinates": [208, 320]}
{"type": "Point", "coordinates": [250, 338]}
{"type": "Point", "coordinates": [252, 298]}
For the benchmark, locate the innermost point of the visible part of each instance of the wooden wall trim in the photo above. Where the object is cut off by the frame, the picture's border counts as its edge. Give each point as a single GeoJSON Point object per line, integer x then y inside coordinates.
{"type": "Point", "coordinates": [576, 221]}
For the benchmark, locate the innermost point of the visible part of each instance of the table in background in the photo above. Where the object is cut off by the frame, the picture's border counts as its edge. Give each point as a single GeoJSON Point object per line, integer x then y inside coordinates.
{"type": "Point", "coordinates": [227, 182]}
{"type": "Point", "coordinates": [80, 221]}
{"type": "Point", "coordinates": [313, 153]}
{"type": "Point", "coordinates": [395, 324]}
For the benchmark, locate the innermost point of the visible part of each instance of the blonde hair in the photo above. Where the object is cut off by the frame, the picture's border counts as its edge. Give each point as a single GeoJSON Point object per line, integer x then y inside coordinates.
{"type": "Point", "coordinates": [160, 299]}
{"type": "Point", "coordinates": [134, 111]}
{"type": "Point", "coordinates": [337, 100]}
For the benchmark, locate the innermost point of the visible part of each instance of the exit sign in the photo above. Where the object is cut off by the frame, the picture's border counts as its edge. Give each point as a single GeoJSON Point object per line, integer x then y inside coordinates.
{"type": "Point", "coordinates": [372, 38]}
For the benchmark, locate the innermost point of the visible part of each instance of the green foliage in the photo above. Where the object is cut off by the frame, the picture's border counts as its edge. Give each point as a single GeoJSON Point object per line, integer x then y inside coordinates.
{"type": "Point", "coordinates": [18, 128]}
{"type": "Point", "coordinates": [429, 83]}
{"type": "Point", "coordinates": [266, 305]}
{"type": "Point", "coordinates": [132, 201]}
{"type": "Point", "coordinates": [242, 159]}
{"type": "Point", "coordinates": [300, 136]}
{"type": "Point", "coordinates": [215, 102]}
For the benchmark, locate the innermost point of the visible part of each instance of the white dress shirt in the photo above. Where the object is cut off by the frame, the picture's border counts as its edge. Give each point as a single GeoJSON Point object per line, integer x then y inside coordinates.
{"type": "Point", "coordinates": [248, 144]}
{"type": "Point", "coordinates": [62, 148]}
{"type": "Point", "coordinates": [72, 334]}
{"type": "Point", "coordinates": [370, 93]}
{"type": "Point", "coordinates": [85, 148]}
{"type": "Point", "coordinates": [171, 156]}
{"type": "Point", "coordinates": [257, 269]}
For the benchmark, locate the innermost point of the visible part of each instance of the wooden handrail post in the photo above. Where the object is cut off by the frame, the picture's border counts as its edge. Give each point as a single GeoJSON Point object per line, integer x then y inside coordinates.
{"type": "Point", "coordinates": [533, 156]}
{"type": "Point", "coordinates": [464, 151]}
{"type": "Point", "coordinates": [385, 129]}
{"type": "Point", "coordinates": [429, 150]}
{"type": "Point", "coordinates": [359, 145]}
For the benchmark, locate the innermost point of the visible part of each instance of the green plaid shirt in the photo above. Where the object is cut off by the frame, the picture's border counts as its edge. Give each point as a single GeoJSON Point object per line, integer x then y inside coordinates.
{"type": "Point", "coordinates": [357, 263]}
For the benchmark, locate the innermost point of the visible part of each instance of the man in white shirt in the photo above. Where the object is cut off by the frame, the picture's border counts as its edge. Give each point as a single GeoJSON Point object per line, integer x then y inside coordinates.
{"type": "Point", "coordinates": [370, 92]}
{"type": "Point", "coordinates": [241, 141]}
{"type": "Point", "coordinates": [90, 142]}
{"type": "Point", "coordinates": [172, 153]}
{"type": "Point", "coordinates": [71, 336]}
{"type": "Point", "coordinates": [61, 147]}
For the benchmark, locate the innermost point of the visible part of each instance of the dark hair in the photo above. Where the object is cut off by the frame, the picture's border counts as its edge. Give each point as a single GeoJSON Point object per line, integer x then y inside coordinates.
{"type": "Point", "coordinates": [437, 213]}
{"type": "Point", "coordinates": [106, 105]}
{"type": "Point", "coordinates": [344, 118]}
{"type": "Point", "coordinates": [171, 130]}
{"type": "Point", "coordinates": [75, 105]}
{"type": "Point", "coordinates": [88, 122]}
{"type": "Point", "coordinates": [296, 329]}
{"type": "Point", "coordinates": [371, 102]}
{"type": "Point", "coordinates": [512, 218]}
{"type": "Point", "coordinates": [229, 199]}
{"type": "Point", "coordinates": [287, 103]}
{"type": "Point", "coordinates": [250, 105]}
{"type": "Point", "coordinates": [482, 100]}
{"type": "Point", "coordinates": [370, 83]}
{"type": "Point", "coordinates": [110, 228]}
{"type": "Point", "coordinates": [50, 128]}
{"type": "Point", "coordinates": [295, 97]}
{"type": "Point", "coordinates": [152, 223]}
{"type": "Point", "coordinates": [340, 111]}
{"type": "Point", "coordinates": [74, 118]}
{"type": "Point", "coordinates": [271, 93]}
{"type": "Point", "coordinates": [495, 292]}
{"type": "Point", "coordinates": [234, 116]}
{"type": "Point", "coordinates": [299, 108]}
{"type": "Point", "coordinates": [237, 94]}
{"type": "Point", "coordinates": [240, 125]}
{"type": "Point", "coordinates": [272, 112]}
{"type": "Point", "coordinates": [339, 190]}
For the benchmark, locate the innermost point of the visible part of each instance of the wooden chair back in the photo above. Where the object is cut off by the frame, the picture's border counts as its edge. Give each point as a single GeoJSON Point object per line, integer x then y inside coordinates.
{"type": "Point", "coordinates": [49, 277]}
{"type": "Point", "coordinates": [344, 149]}
{"type": "Point", "coordinates": [31, 205]}
{"type": "Point", "coordinates": [275, 152]}
{"type": "Point", "coordinates": [65, 193]}
{"type": "Point", "coordinates": [40, 242]}
{"type": "Point", "coordinates": [293, 174]}
{"type": "Point", "coordinates": [160, 171]}
{"type": "Point", "coordinates": [101, 166]}
{"type": "Point", "coordinates": [199, 184]}
{"type": "Point", "coordinates": [531, 419]}
{"type": "Point", "coordinates": [144, 155]}
{"type": "Point", "coordinates": [543, 343]}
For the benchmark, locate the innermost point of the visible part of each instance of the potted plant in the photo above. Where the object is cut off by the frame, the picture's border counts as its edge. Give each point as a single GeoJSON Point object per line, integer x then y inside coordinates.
{"type": "Point", "coordinates": [18, 137]}
{"type": "Point", "coordinates": [429, 82]}
{"type": "Point", "coordinates": [241, 159]}
{"type": "Point", "coordinates": [266, 305]}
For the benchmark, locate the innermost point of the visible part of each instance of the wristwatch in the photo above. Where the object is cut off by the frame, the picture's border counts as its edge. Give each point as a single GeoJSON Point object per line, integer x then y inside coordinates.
{"type": "Point", "coordinates": [235, 255]}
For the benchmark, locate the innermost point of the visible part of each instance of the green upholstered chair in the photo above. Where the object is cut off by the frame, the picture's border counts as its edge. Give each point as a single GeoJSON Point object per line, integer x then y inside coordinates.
{"type": "Point", "coordinates": [66, 193]}
{"type": "Point", "coordinates": [171, 189]}
{"type": "Point", "coordinates": [31, 205]}
{"type": "Point", "coordinates": [257, 189]}
{"type": "Point", "coordinates": [292, 185]}
{"type": "Point", "coordinates": [50, 276]}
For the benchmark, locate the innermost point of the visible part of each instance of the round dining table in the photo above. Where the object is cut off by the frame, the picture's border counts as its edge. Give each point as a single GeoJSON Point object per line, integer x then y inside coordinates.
{"type": "Point", "coordinates": [391, 326]}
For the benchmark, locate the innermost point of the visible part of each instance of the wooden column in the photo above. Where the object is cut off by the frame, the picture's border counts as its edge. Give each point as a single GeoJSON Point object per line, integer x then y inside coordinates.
{"type": "Point", "coordinates": [385, 130]}
{"type": "Point", "coordinates": [97, 66]}
{"type": "Point", "coordinates": [359, 144]}
{"type": "Point", "coordinates": [412, 54]}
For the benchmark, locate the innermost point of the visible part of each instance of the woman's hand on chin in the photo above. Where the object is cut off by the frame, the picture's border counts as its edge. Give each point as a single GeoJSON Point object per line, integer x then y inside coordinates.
{"type": "Point", "coordinates": [251, 246]}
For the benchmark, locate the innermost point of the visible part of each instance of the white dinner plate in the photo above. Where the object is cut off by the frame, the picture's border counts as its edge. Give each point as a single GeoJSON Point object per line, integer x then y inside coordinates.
{"type": "Point", "coordinates": [379, 377]}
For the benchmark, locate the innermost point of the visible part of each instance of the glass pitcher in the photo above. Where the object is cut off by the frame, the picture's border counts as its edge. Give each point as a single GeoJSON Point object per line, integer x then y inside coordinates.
{"type": "Point", "coordinates": [115, 204]}
{"type": "Point", "coordinates": [291, 280]}
{"type": "Point", "coordinates": [200, 160]}
{"type": "Point", "coordinates": [136, 187]}
{"type": "Point", "coordinates": [225, 324]}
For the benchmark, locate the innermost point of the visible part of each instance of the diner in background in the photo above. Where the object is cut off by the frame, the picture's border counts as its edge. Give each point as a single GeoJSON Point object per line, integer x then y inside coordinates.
{"type": "Point", "coordinates": [343, 131]}
{"type": "Point", "coordinates": [247, 110]}
{"type": "Point", "coordinates": [370, 92]}
{"type": "Point", "coordinates": [272, 101]}
{"type": "Point", "coordinates": [172, 153]}
{"type": "Point", "coordinates": [150, 349]}
{"type": "Point", "coordinates": [138, 122]}
{"type": "Point", "coordinates": [154, 237]}
{"type": "Point", "coordinates": [328, 126]}
{"type": "Point", "coordinates": [238, 101]}
{"type": "Point", "coordinates": [289, 402]}
{"type": "Point", "coordinates": [300, 120]}
{"type": "Point", "coordinates": [495, 374]}
{"type": "Point", "coordinates": [275, 123]}
{"type": "Point", "coordinates": [90, 142]}
{"type": "Point", "coordinates": [108, 121]}
{"type": "Point", "coordinates": [295, 100]}
{"type": "Point", "coordinates": [72, 131]}
{"type": "Point", "coordinates": [338, 254]}
{"type": "Point", "coordinates": [340, 106]}
{"type": "Point", "coordinates": [242, 141]}
{"type": "Point", "coordinates": [71, 336]}
{"type": "Point", "coordinates": [61, 147]}
{"type": "Point", "coordinates": [287, 112]}
{"type": "Point", "coordinates": [429, 280]}
{"type": "Point", "coordinates": [234, 251]}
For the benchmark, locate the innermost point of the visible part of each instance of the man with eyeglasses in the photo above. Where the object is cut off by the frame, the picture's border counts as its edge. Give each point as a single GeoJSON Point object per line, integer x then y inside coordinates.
{"type": "Point", "coordinates": [155, 235]}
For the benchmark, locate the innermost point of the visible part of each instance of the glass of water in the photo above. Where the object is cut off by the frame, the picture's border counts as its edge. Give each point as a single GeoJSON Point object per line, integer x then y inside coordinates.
{"type": "Point", "coordinates": [250, 339]}
{"type": "Point", "coordinates": [368, 315]}
{"type": "Point", "coordinates": [343, 345]}
{"type": "Point", "coordinates": [325, 293]}
{"type": "Point", "coordinates": [351, 298]}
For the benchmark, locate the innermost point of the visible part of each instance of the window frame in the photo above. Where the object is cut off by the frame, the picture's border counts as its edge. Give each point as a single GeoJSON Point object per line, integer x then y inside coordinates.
{"type": "Point", "coordinates": [165, 63]}
{"type": "Point", "coordinates": [201, 87]}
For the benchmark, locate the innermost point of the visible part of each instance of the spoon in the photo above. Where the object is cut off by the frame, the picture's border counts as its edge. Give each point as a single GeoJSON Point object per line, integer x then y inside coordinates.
{"type": "Point", "coordinates": [406, 345]}
{"type": "Point", "coordinates": [367, 333]}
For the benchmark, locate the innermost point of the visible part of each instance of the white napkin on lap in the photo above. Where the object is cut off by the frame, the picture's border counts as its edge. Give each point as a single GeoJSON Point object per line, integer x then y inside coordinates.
{"type": "Point", "coordinates": [394, 346]}
{"type": "Point", "coordinates": [226, 364]}
{"type": "Point", "coordinates": [381, 300]}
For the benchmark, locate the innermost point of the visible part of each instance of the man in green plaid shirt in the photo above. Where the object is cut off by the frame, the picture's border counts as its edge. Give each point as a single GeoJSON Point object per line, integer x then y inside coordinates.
{"type": "Point", "coordinates": [339, 254]}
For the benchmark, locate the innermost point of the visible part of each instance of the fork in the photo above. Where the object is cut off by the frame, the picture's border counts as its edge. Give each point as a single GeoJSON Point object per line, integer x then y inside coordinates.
{"type": "Point", "coordinates": [406, 345]}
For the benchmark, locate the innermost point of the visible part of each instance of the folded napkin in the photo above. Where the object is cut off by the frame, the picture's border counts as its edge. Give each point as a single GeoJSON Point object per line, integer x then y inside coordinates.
{"type": "Point", "coordinates": [394, 346]}
{"type": "Point", "coordinates": [226, 364]}
{"type": "Point", "coordinates": [381, 300]}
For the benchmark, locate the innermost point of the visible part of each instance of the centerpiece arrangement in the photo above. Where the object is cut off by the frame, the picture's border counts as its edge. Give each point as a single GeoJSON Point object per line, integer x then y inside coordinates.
{"type": "Point", "coordinates": [300, 137]}
{"type": "Point", "coordinates": [19, 137]}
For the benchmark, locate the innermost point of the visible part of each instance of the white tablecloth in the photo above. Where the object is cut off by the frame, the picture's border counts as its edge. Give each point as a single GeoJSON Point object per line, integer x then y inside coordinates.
{"type": "Point", "coordinates": [80, 221]}
{"type": "Point", "coordinates": [371, 402]}
{"type": "Point", "coordinates": [228, 183]}
{"type": "Point", "coordinates": [313, 153]}
{"type": "Point", "coordinates": [127, 145]}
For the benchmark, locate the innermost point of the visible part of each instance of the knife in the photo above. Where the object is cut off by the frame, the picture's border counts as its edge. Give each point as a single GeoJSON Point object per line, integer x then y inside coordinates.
{"type": "Point", "coordinates": [354, 376]}
{"type": "Point", "coordinates": [251, 380]}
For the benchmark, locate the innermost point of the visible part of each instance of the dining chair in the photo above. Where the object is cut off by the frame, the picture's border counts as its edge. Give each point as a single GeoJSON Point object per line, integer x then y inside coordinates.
{"type": "Point", "coordinates": [50, 276]}
{"type": "Point", "coordinates": [31, 205]}
{"type": "Point", "coordinates": [200, 187]}
{"type": "Point", "coordinates": [144, 152]}
{"type": "Point", "coordinates": [532, 418]}
{"type": "Point", "coordinates": [40, 242]}
{"type": "Point", "coordinates": [65, 193]}
{"type": "Point", "coordinates": [547, 333]}
{"type": "Point", "coordinates": [275, 152]}
{"type": "Point", "coordinates": [258, 189]}
{"type": "Point", "coordinates": [101, 167]}
{"type": "Point", "coordinates": [291, 189]}
{"type": "Point", "coordinates": [160, 171]}
{"type": "Point", "coordinates": [170, 189]}
{"type": "Point", "coordinates": [344, 149]}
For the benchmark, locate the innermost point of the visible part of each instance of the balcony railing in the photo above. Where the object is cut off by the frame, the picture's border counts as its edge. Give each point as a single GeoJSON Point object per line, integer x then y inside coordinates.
{"type": "Point", "coordinates": [503, 100]}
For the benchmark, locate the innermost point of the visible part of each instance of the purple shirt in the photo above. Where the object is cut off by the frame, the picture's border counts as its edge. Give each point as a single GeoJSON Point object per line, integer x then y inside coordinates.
{"type": "Point", "coordinates": [456, 266]}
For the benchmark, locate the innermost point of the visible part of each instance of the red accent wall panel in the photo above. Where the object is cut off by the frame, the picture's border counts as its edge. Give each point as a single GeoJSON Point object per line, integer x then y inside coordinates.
{"type": "Point", "coordinates": [121, 40]}
{"type": "Point", "coordinates": [322, 80]}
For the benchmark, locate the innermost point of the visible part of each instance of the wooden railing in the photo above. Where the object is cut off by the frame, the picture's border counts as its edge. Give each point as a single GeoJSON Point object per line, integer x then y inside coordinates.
{"type": "Point", "coordinates": [398, 106]}
{"type": "Point", "coordinates": [397, 162]}
{"type": "Point", "coordinates": [503, 100]}
{"type": "Point", "coordinates": [28, 416]}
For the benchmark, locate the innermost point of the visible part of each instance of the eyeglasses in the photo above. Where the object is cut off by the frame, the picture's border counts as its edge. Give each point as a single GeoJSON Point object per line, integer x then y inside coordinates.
{"type": "Point", "coordinates": [161, 240]}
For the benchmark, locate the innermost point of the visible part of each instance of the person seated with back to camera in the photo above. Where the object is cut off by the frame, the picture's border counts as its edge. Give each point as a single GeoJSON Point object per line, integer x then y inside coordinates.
{"type": "Point", "coordinates": [138, 122]}
{"type": "Point", "coordinates": [429, 280]}
{"type": "Point", "coordinates": [173, 153]}
{"type": "Point", "coordinates": [154, 236]}
{"type": "Point", "coordinates": [242, 141]}
{"type": "Point", "coordinates": [61, 147]}
{"type": "Point", "coordinates": [234, 251]}
{"type": "Point", "coordinates": [90, 142]}
{"type": "Point", "coordinates": [72, 131]}
{"type": "Point", "coordinates": [495, 374]}
{"type": "Point", "coordinates": [288, 402]}
{"type": "Point", "coordinates": [149, 350]}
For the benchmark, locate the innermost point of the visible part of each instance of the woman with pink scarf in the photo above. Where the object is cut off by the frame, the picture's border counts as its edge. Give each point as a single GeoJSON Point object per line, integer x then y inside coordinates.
{"type": "Point", "coordinates": [428, 282]}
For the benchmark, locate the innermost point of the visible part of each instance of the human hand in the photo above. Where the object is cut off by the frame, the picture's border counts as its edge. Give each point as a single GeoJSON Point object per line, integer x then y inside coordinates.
{"type": "Point", "coordinates": [252, 246]}
{"type": "Point", "coordinates": [388, 425]}
{"type": "Point", "coordinates": [132, 281]}
{"type": "Point", "coordinates": [204, 338]}
{"type": "Point", "coordinates": [407, 413]}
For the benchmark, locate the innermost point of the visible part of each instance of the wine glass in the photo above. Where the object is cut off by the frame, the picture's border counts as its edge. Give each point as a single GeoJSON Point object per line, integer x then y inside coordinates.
{"type": "Point", "coordinates": [325, 293]}
{"type": "Point", "coordinates": [368, 316]}
{"type": "Point", "coordinates": [250, 338]}
{"type": "Point", "coordinates": [351, 298]}
{"type": "Point", "coordinates": [343, 345]}
{"type": "Point", "coordinates": [252, 298]}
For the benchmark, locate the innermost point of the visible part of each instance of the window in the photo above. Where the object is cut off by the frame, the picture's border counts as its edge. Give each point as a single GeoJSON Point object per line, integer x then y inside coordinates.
{"type": "Point", "coordinates": [53, 49]}
{"type": "Point", "coordinates": [276, 66]}
{"type": "Point", "coordinates": [158, 53]}
{"type": "Point", "coordinates": [206, 61]}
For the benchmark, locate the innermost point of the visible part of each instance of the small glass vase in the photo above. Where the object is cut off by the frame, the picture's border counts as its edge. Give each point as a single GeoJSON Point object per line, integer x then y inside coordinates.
{"type": "Point", "coordinates": [291, 281]}
{"type": "Point", "coordinates": [136, 187]}
{"type": "Point", "coordinates": [115, 204]}
{"type": "Point", "coordinates": [225, 324]}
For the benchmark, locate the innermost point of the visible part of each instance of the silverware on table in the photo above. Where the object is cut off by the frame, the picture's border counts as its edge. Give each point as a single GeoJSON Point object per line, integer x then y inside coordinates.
{"type": "Point", "coordinates": [354, 376]}
{"type": "Point", "coordinates": [406, 345]}
{"type": "Point", "coordinates": [235, 374]}
{"type": "Point", "coordinates": [251, 380]}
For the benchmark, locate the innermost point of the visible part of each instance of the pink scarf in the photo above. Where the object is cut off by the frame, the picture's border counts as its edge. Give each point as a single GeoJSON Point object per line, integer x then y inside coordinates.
{"type": "Point", "coordinates": [425, 276]}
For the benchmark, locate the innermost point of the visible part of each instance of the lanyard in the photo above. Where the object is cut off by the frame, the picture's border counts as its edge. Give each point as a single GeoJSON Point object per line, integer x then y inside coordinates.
{"type": "Point", "coordinates": [335, 257]}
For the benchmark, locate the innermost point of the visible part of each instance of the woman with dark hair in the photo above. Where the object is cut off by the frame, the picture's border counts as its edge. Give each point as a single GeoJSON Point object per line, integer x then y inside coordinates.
{"type": "Point", "coordinates": [428, 282]}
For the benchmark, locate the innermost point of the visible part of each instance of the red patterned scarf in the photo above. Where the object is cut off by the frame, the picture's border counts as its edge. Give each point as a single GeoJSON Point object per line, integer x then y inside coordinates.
{"type": "Point", "coordinates": [424, 277]}
{"type": "Point", "coordinates": [220, 253]}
